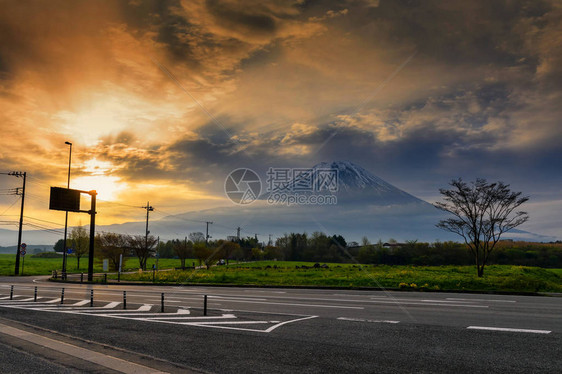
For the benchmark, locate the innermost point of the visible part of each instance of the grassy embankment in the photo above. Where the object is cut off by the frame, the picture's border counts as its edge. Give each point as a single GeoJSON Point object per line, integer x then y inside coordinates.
{"type": "Point", "coordinates": [44, 266]}
{"type": "Point", "coordinates": [496, 277]}
{"type": "Point", "coordinates": [284, 273]}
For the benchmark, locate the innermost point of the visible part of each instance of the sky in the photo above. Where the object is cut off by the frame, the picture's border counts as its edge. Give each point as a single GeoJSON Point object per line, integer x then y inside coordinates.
{"type": "Point", "coordinates": [162, 99]}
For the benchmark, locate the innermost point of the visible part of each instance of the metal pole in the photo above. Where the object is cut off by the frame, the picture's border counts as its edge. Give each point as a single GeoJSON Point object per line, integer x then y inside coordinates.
{"type": "Point", "coordinates": [124, 299]}
{"type": "Point", "coordinates": [66, 216]}
{"type": "Point", "coordinates": [148, 210]}
{"type": "Point", "coordinates": [11, 292]}
{"type": "Point", "coordinates": [207, 232]}
{"type": "Point", "coordinates": [62, 297]}
{"type": "Point", "coordinates": [18, 174]}
{"type": "Point", "coordinates": [91, 298]}
{"type": "Point", "coordinates": [22, 264]}
{"type": "Point", "coordinates": [162, 306]}
{"type": "Point", "coordinates": [205, 306]}
{"type": "Point", "coordinates": [92, 236]}
{"type": "Point", "coordinates": [35, 294]}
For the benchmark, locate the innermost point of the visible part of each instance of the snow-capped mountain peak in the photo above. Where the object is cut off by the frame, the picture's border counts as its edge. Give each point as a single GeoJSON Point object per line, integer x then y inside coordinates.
{"type": "Point", "coordinates": [351, 183]}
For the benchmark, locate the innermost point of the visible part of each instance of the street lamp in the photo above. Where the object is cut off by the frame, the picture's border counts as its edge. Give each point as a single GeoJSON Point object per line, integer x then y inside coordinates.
{"type": "Point", "coordinates": [66, 217]}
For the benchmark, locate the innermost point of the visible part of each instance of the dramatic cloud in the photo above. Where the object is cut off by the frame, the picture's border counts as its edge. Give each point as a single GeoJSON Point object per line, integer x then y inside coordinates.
{"type": "Point", "coordinates": [164, 98]}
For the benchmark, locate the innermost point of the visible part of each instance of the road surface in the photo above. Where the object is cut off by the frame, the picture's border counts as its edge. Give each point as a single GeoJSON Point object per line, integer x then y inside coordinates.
{"type": "Point", "coordinates": [272, 330]}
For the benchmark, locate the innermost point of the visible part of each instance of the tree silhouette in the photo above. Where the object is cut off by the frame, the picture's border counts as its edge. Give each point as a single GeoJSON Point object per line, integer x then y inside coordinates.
{"type": "Point", "coordinates": [482, 213]}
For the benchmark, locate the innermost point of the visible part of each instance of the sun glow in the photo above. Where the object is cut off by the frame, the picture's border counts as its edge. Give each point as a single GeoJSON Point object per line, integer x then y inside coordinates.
{"type": "Point", "coordinates": [108, 187]}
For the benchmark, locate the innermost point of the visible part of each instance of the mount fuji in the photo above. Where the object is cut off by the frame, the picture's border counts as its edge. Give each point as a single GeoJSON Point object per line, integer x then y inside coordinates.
{"type": "Point", "coordinates": [366, 206]}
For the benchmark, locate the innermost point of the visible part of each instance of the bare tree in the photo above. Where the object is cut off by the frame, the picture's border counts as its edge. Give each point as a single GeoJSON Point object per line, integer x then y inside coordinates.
{"type": "Point", "coordinates": [111, 246]}
{"type": "Point", "coordinates": [143, 247]}
{"type": "Point", "coordinates": [79, 239]}
{"type": "Point", "coordinates": [482, 213]}
{"type": "Point", "coordinates": [197, 237]}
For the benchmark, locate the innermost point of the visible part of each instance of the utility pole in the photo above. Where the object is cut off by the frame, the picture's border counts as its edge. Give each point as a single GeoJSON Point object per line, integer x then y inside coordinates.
{"type": "Point", "coordinates": [19, 174]}
{"type": "Point", "coordinates": [66, 215]}
{"type": "Point", "coordinates": [207, 236]}
{"type": "Point", "coordinates": [148, 210]}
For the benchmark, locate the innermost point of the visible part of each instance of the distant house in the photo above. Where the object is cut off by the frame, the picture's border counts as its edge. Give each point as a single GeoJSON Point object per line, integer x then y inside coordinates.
{"type": "Point", "coordinates": [393, 245]}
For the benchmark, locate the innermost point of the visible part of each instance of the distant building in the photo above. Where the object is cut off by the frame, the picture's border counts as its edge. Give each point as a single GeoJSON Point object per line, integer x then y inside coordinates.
{"type": "Point", "coordinates": [393, 245]}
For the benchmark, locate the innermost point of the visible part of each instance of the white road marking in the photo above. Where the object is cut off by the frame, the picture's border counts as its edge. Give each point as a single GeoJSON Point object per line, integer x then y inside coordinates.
{"type": "Point", "coordinates": [228, 298]}
{"type": "Point", "coordinates": [80, 303]}
{"type": "Point", "coordinates": [292, 304]}
{"type": "Point", "coordinates": [111, 305]}
{"type": "Point", "coordinates": [508, 329]}
{"type": "Point", "coordinates": [367, 320]}
{"type": "Point", "coordinates": [133, 313]}
{"type": "Point", "coordinates": [265, 291]}
{"type": "Point", "coordinates": [53, 301]}
{"type": "Point", "coordinates": [4, 298]}
{"type": "Point", "coordinates": [178, 318]}
{"type": "Point", "coordinates": [488, 300]}
{"type": "Point", "coordinates": [226, 323]}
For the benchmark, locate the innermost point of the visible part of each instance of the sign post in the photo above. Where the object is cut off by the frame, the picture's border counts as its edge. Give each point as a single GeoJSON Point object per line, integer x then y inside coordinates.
{"type": "Point", "coordinates": [68, 200]}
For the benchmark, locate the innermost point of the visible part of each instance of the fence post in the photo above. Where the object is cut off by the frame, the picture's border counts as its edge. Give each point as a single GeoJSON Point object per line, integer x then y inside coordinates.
{"type": "Point", "coordinates": [91, 298]}
{"type": "Point", "coordinates": [205, 306]}
{"type": "Point", "coordinates": [35, 294]}
{"type": "Point", "coordinates": [124, 299]}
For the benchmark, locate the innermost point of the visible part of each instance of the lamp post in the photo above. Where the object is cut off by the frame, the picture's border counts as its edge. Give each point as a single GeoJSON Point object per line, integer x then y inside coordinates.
{"type": "Point", "coordinates": [66, 216]}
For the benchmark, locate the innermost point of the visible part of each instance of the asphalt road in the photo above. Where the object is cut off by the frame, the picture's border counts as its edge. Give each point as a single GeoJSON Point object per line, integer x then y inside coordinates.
{"type": "Point", "coordinates": [279, 330]}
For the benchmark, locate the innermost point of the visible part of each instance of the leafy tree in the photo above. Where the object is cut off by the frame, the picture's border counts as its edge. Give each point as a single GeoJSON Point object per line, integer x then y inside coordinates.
{"type": "Point", "coordinates": [111, 246]}
{"type": "Point", "coordinates": [59, 246]}
{"type": "Point", "coordinates": [143, 247]}
{"type": "Point", "coordinates": [183, 249]}
{"type": "Point", "coordinates": [201, 252]}
{"type": "Point", "coordinates": [207, 254]}
{"type": "Point", "coordinates": [273, 253]}
{"type": "Point", "coordinates": [482, 213]}
{"type": "Point", "coordinates": [79, 240]}
{"type": "Point", "coordinates": [227, 248]}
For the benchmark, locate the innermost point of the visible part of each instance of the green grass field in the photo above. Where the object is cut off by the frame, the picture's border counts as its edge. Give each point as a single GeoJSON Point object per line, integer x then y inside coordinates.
{"type": "Point", "coordinates": [44, 266]}
{"type": "Point", "coordinates": [496, 277]}
{"type": "Point", "coordinates": [284, 273]}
